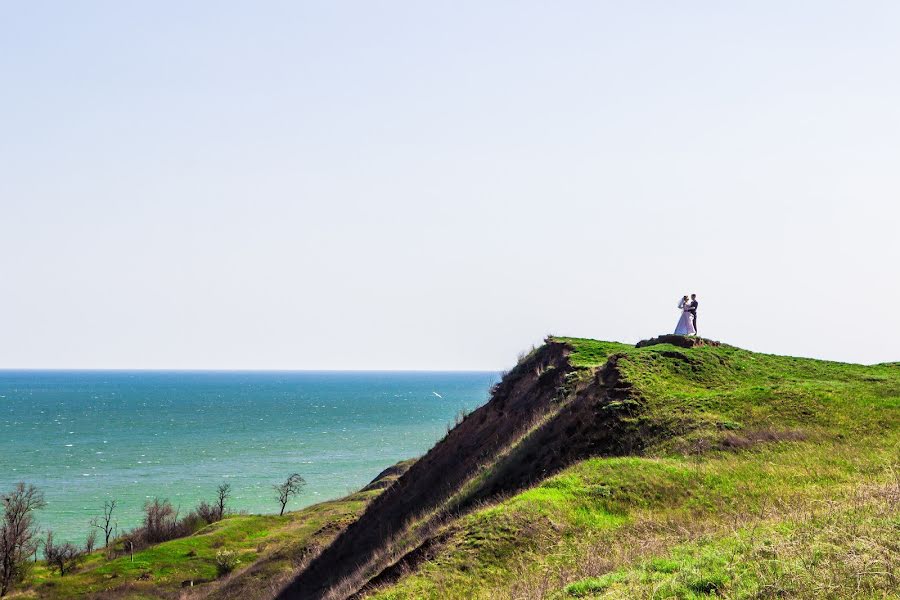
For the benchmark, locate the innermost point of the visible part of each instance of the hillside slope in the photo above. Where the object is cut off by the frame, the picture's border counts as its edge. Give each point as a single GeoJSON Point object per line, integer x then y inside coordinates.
{"type": "Point", "coordinates": [599, 468]}
{"type": "Point", "coordinates": [270, 548]}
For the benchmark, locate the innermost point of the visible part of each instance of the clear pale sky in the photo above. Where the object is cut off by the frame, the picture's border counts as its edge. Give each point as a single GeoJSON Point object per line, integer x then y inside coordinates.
{"type": "Point", "coordinates": [416, 185]}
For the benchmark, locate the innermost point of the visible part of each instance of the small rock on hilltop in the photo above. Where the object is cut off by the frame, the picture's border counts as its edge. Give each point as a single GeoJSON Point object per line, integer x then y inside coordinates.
{"type": "Point", "coordinates": [682, 341]}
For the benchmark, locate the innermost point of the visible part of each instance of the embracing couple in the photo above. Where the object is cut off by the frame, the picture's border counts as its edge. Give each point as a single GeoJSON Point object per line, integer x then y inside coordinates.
{"type": "Point", "coordinates": [687, 324]}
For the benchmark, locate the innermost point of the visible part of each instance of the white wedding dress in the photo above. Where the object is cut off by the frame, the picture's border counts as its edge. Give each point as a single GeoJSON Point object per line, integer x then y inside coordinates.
{"type": "Point", "coordinates": [685, 323]}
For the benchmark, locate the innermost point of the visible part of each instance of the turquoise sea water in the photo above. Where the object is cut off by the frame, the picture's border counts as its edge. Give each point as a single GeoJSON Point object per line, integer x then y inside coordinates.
{"type": "Point", "coordinates": [87, 436]}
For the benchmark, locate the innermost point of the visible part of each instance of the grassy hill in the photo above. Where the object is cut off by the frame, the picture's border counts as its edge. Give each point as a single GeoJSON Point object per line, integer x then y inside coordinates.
{"type": "Point", "coordinates": [756, 476]}
{"type": "Point", "coordinates": [600, 469]}
{"type": "Point", "coordinates": [679, 469]}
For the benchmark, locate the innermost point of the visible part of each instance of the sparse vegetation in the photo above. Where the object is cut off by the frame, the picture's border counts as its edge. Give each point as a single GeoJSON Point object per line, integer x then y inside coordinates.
{"type": "Point", "coordinates": [458, 418]}
{"type": "Point", "coordinates": [64, 557]}
{"type": "Point", "coordinates": [271, 545]}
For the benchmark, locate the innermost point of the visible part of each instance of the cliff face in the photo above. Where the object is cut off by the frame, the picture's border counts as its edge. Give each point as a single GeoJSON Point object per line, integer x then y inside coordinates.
{"type": "Point", "coordinates": [544, 414]}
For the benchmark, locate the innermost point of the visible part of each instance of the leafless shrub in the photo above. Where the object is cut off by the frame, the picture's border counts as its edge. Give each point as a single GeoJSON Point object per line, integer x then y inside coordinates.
{"type": "Point", "coordinates": [64, 557]}
{"type": "Point", "coordinates": [160, 520]}
{"type": "Point", "coordinates": [210, 512]}
{"type": "Point", "coordinates": [207, 512]}
{"type": "Point", "coordinates": [91, 541]}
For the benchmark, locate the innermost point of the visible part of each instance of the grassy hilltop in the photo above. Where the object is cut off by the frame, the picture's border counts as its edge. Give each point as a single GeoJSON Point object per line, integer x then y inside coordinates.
{"type": "Point", "coordinates": [596, 470]}
{"type": "Point", "coordinates": [755, 476]}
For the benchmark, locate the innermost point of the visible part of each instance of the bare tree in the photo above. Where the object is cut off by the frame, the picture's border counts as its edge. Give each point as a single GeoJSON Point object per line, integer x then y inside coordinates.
{"type": "Point", "coordinates": [64, 556]}
{"type": "Point", "coordinates": [223, 493]}
{"type": "Point", "coordinates": [49, 545]}
{"type": "Point", "coordinates": [105, 523]}
{"type": "Point", "coordinates": [18, 534]}
{"type": "Point", "coordinates": [91, 541]}
{"type": "Point", "coordinates": [210, 513]}
{"type": "Point", "coordinates": [290, 488]}
{"type": "Point", "coordinates": [160, 520]}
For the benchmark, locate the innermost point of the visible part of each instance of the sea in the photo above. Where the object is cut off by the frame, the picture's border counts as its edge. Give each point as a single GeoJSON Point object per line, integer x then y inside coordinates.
{"type": "Point", "coordinates": [85, 437]}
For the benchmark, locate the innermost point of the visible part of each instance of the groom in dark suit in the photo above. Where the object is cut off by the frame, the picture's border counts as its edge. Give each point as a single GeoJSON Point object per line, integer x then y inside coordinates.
{"type": "Point", "coordinates": [692, 307]}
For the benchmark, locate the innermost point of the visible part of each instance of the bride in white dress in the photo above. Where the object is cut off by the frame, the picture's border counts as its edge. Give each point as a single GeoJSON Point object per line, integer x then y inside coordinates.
{"type": "Point", "coordinates": [685, 323]}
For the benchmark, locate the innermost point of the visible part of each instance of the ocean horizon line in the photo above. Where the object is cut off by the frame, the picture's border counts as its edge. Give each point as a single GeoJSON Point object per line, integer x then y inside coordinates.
{"type": "Point", "coordinates": [210, 370]}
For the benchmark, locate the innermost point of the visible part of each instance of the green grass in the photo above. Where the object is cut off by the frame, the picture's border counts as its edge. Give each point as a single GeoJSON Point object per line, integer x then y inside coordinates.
{"type": "Point", "coordinates": [268, 543]}
{"type": "Point", "coordinates": [744, 455]}
{"type": "Point", "coordinates": [591, 353]}
{"type": "Point", "coordinates": [591, 586]}
{"type": "Point", "coordinates": [832, 553]}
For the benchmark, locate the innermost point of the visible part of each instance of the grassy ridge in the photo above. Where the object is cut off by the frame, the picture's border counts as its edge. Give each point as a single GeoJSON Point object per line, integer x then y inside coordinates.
{"type": "Point", "coordinates": [745, 455]}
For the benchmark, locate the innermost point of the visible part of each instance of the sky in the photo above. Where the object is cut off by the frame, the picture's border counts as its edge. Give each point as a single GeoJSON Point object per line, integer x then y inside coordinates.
{"type": "Point", "coordinates": [440, 185]}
